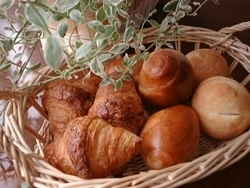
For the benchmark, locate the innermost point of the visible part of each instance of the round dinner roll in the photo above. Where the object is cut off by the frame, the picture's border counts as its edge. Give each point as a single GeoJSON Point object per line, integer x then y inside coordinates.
{"type": "Point", "coordinates": [206, 63]}
{"type": "Point", "coordinates": [166, 78]}
{"type": "Point", "coordinates": [170, 136]}
{"type": "Point", "coordinates": [223, 107]}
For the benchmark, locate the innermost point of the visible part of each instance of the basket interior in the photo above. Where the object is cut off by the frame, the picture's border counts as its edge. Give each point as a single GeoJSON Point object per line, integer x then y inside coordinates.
{"type": "Point", "coordinates": [28, 128]}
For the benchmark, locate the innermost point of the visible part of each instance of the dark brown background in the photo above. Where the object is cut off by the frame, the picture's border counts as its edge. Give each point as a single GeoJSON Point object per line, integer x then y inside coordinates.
{"type": "Point", "coordinates": [228, 13]}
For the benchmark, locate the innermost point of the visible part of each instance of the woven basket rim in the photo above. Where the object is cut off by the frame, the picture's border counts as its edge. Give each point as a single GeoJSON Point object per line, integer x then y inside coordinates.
{"type": "Point", "coordinates": [37, 172]}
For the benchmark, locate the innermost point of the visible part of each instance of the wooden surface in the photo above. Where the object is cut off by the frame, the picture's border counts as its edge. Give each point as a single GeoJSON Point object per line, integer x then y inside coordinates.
{"type": "Point", "coordinates": [228, 13]}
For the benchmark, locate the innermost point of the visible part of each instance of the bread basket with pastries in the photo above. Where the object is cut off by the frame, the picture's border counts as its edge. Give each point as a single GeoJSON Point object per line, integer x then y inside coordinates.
{"type": "Point", "coordinates": [92, 135]}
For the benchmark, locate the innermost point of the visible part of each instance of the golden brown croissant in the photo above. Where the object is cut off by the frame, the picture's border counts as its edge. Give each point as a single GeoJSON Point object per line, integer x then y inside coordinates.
{"type": "Point", "coordinates": [92, 148]}
{"type": "Point", "coordinates": [64, 102]}
{"type": "Point", "coordinates": [121, 108]}
{"type": "Point", "coordinates": [89, 83]}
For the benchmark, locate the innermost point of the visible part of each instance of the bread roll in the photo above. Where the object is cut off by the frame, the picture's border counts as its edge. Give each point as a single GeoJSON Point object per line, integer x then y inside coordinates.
{"type": "Point", "coordinates": [223, 107]}
{"type": "Point", "coordinates": [170, 136]}
{"type": "Point", "coordinates": [207, 63]}
{"type": "Point", "coordinates": [166, 78]}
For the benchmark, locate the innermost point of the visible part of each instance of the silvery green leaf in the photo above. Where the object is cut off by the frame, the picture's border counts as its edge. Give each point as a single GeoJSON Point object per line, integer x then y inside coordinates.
{"type": "Point", "coordinates": [118, 84]}
{"type": "Point", "coordinates": [115, 35]}
{"type": "Point", "coordinates": [76, 15]}
{"type": "Point", "coordinates": [6, 4]}
{"type": "Point", "coordinates": [153, 23]}
{"type": "Point", "coordinates": [119, 48]}
{"type": "Point", "coordinates": [96, 66]}
{"type": "Point", "coordinates": [96, 25]}
{"type": "Point", "coordinates": [127, 78]}
{"type": "Point", "coordinates": [115, 2]}
{"type": "Point", "coordinates": [36, 16]}
{"type": "Point", "coordinates": [180, 14]}
{"type": "Point", "coordinates": [24, 185]}
{"type": "Point", "coordinates": [109, 30]}
{"type": "Point", "coordinates": [65, 5]}
{"type": "Point", "coordinates": [170, 6]}
{"type": "Point", "coordinates": [78, 44]}
{"type": "Point", "coordinates": [216, 2]}
{"type": "Point", "coordinates": [100, 15]}
{"type": "Point", "coordinates": [101, 44]}
{"type": "Point", "coordinates": [169, 45]}
{"type": "Point", "coordinates": [5, 66]}
{"type": "Point", "coordinates": [140, 17]}
{"type": "Point", "coordinates": [35, 66]}
{"type": "Point", "coordinates": [53, 52]}
{"type": "Point", "coordinates": [84, 49]}
{"type": "Point", "coordinates": [62, 28]}
{"type": "Point", "coordinates": [104, 57]}
{"type": "Point", "coordinates": [123, 13]}
{"type": "Point", "coordinates": [128, 34]}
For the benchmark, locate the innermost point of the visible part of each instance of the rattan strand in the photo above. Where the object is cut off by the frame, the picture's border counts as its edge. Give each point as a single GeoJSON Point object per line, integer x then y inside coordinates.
{"type": "Point", "coordinates": [213, 154]}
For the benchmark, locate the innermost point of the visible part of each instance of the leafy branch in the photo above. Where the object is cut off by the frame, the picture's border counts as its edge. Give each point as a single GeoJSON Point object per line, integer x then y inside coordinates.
{"type": "Point", "coordinates": [111, 33]}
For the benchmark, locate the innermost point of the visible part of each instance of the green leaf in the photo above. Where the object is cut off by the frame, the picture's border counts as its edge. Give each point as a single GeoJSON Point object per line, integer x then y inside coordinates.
{"type": "Point", "coordinates": [109, 30]}
{"type": "Point", "coordinates": [115, 2]}
{"type": "Point", "coordinates": [128, 34]}
{"type": "Point", "coordinates": [6, 4]}
{"type": "Point", "coordinates": [35, 66]}
{"type": "Point", "coordinates": [24, 185]}
{"type": "Point", "coordinates": [216, 2]}
{"type": "Point", "coordinates": [153, 23]}
{"type": "Point", "coordinates": [180, 14]}
{"type": "Point", "coordinates": [36, 16]}
{"type": "Point", "coordinates": [76, 15]}
{"type": "Point", "coordinates": [118, 84]}
{"type": "Point", "coordinates": [170, 6]}
{"type": "Point", "coordinates": [53, 52]}
{"type": "Point", "coordinates": [5, 66]}
{"type": "Point", "coordinates": [100, 15]}
{"type": "Point", "coordinates": [62, 28]}
{"type": "Point", "coordinates": [96, 25]}
{"type": "Point", "coordinates": [83, 50]}
{"type": "Point", "coordinates": [101, 44]}
{"type": "Point", "coordinates": [96, 66]}
{"type": "Point", "coordinates": [66, 5]}
{"type": "Point", "coordinates": [119, 48]}
{"type": "Point", "coordinates": [140, 17]}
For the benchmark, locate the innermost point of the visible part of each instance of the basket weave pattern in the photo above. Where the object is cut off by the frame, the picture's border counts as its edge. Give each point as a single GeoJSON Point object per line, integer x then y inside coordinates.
{"type": "Point", "coordinates": [213, 155]}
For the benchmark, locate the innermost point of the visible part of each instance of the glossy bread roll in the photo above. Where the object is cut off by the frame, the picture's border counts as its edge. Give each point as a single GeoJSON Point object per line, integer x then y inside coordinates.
{"type": "Point", "coordinates": [207, 63]}
{"type": "Point", "coordinates": [166, 78]}
{"type": "Point", "coordinates": [223, 107]}
{"type": "Point", "coordinates": [170, 136]}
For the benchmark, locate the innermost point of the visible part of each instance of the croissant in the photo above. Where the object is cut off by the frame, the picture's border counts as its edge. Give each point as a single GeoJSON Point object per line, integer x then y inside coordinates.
{"type": "Point", "coordinates": [63, 102]}
{"type": "Point", "coordinates": [121, 108]}
{"type": "Point", "coordinates": [89, 83]}
{"type": "Point", "coordinates": [92, 148]}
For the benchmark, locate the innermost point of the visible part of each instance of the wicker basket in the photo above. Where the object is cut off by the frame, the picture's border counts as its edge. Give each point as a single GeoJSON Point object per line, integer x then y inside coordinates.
{"type": "Point", "coordinates": [213, 155]}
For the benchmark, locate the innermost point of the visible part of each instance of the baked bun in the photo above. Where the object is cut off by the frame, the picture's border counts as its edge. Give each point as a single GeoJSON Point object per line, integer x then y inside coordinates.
{"type": "Point", "coordinates": [223, 107]}
{"type": "Point", "coordinates": [207, 63]}
{"type": "Point", "coordinates": [170, 136]}
{"type": "Point", "coordinates": [166, 78]}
